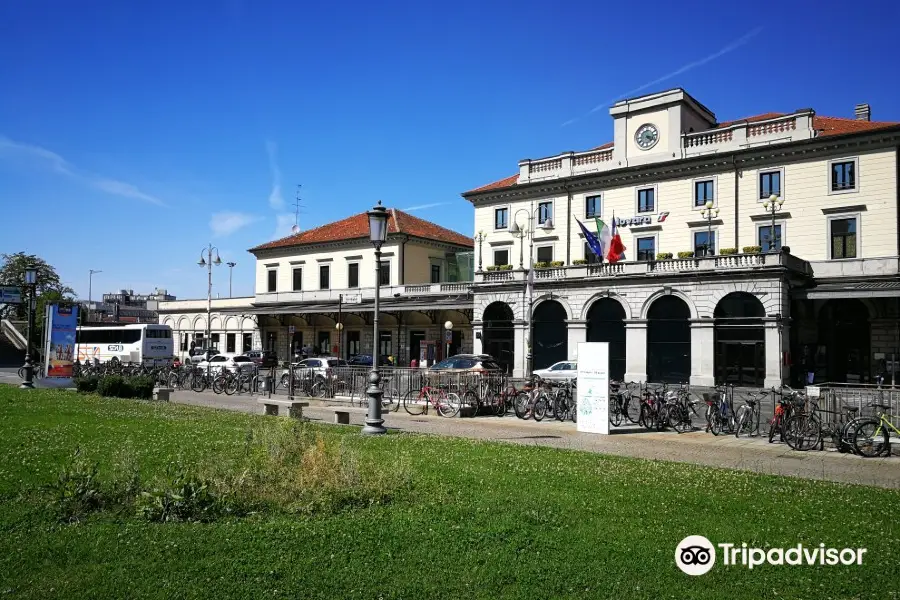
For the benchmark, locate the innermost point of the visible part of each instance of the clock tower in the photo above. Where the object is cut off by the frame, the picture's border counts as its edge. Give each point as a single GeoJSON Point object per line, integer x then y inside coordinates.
{"type": "Point", "coordinates": [648, 129]}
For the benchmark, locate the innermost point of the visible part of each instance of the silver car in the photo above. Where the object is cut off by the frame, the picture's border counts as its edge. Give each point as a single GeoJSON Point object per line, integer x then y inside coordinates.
{"type": "Point", "coordinates": [564, 370]}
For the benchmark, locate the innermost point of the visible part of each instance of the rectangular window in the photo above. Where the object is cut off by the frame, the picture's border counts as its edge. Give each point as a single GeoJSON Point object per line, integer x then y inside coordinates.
{"type": "Point", "coordinates": [298, 279]}
{"type": "Point", "coordinates": [703, 192]}
{"type": "Point", "coordinates": [589, 255]}
{"type": "Point", "coordinates": [353, 275]}
{"type": "Point", "coordinates": [272, 341]}
{"type": "Point", "coordinates": [591, 207]}
{"type": "Point", "coordinates": [766, 242]}
{"type": "Point", "coordinates": [384, 345]}
{"type": "Point", "coordinates": [501, 218]}
{"type": "Point", "coordinates": [545, 254]}
{"type": "Point", "coordinates": [184, 342]}
{"type": "Point", "coordinates": [501, 257]}
{"type": "Point", "coordinates": [215, 341]}
{"type": "Point", "coordinates": [435, 273]}
{"type": "Point", "coordinates": [273, 280]}
{"type": "Point", "coordinates": [545, 212]}
{"type": "Point", "coordinates": [247, 343]}
{"type": "Point", "coordinates": [230, 339]}
{"type": "Point", "coordinates": [384, 273]}
{"type": "Point", "coordinates": [843, 176]}
{"type": "Point", "coordinates": [646, 248]}
{"type": "Point", "coordinates": [324, 277]}
{"type": "Point", "coordinates": [704, 243]}
{"type": "Point", "coordinates": [769, 183]}
{"type": "Point", "coordinates": [647, 200]}
{"type": "Point", "coordinates": [843, 238]}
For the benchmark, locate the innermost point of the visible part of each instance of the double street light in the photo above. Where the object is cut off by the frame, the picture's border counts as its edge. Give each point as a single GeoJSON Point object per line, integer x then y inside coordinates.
{"type": "Point", "coordinates": [208, 261]}
{"type": "Point", "coordinates": [31, 284]}
{"type": "Point", "coordinates": [772, 205]}
{"type": "Point", "coordinates": [378, 230]}
{"type": "Point", "coordinates": [709, 213]}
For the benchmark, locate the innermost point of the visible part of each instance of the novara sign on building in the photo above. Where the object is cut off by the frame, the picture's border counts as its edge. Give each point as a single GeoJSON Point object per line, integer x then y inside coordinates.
{"type": "Point", "coordinates": [641, 220]}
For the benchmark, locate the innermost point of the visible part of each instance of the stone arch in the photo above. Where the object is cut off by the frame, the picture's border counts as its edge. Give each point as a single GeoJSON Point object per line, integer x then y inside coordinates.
{"type": "Point", "coordinates": [550, 342]}
{"type": "Point", "coordinates": [605, 322]}
{"type": "Point", "coordinates": [215, 323]}
{"type": "Point", "coordinates": [170, 321]}
{"type": "Point", "coordinates": [669, 339]}
{"type": "Point", "coordinates": [498, 333]}
{"type": "Point", "coordinates": [645, 309]}
{"type": "Point", "coordinates": [231, 323]}
{"type": "Point", "coordinates": [199, 323]}
{"type": "Point", "coordinates": [184, 324]}
{"type": "Point", "coordinates": [513, 301]}
{"type": "Point", "coordinates": [570, 314]}
{"type": "Point", "coordinates": [739, 340]}
{"type": "Point", "coordinates": [602, 295]}
{"type": "Point", "coordinates": [247, 323]}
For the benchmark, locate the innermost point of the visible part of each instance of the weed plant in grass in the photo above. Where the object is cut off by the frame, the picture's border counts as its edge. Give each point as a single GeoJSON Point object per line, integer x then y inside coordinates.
{"type": "Point", "coordinates": [466, 520]}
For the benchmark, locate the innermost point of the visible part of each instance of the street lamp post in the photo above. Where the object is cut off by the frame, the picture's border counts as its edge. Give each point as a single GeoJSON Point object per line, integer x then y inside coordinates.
{"type": "Point", "coordinates": [480, 239]}
{"type": "Point", "coordinates": [448, 326]}
{"type": "Point", "coordinates": [31, 283]}
{"type": "Point", "coordinates": [773, 205]}
{"type": "Point", "coordinates": [208, 262]}
{"type": "Point", "coordinates": [709, 213]}
{"type": "Point", "coordinates": [521, 233]}
{"type": "Point", "coordinates": [340, 327]}
{"type": "Point", "coordinates": [378, 230]}
{"type": "Point", "coordinates": [91, 273]}
{"type": "Point", "coordinates": [231, 266]}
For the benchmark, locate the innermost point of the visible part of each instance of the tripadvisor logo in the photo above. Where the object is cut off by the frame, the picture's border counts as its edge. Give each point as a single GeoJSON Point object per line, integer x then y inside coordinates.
{"type": "Point", "coordinates": [696, 555]}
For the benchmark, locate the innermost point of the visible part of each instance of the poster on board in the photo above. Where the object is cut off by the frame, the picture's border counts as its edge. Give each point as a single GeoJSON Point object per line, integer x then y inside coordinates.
{"type": "Point", "coordinates": [59, 346]}
{"type": "Point", "coordinates": [593, 387]}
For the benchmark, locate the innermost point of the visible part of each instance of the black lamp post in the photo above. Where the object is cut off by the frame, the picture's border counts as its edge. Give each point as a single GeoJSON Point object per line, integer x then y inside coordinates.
{"type": "Point", "coordinates": [31, 283]}
{"type": "Point", "coordinates": [772, 206]}
{"type": "Point", "coordinates": [378, 230]}
{"type": "Point", "coordinates": [709, 213]}
{"type": "Point", "coordinates": [480, 238]}
{"type": "Point", "coordinates": [231, 266]}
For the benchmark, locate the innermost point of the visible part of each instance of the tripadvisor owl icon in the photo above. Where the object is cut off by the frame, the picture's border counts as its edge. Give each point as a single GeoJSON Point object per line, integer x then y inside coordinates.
{"type": "Point", "coordinates": [695, 555]}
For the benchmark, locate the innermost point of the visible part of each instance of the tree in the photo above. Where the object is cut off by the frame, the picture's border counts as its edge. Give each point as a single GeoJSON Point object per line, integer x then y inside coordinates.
{"type": "Point", "coordinates": [49, 288]}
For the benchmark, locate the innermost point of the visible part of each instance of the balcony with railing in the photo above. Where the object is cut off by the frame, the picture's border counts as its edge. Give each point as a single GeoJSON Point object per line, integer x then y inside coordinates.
{"type": "Point", "coordinates": [706, 264]}
{"type": "Point", "coordinates": [737, 136]}
{"type": "Point", "coordinates": [350, 295]}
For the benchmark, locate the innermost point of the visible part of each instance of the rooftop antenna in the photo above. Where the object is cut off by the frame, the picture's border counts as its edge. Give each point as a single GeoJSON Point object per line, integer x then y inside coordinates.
{"type": "Point", "coordinates": [297, 205]}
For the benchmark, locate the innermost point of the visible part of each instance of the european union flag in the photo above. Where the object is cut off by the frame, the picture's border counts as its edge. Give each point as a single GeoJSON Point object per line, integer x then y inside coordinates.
{"type": "Point", "coordinates": [591, 239]}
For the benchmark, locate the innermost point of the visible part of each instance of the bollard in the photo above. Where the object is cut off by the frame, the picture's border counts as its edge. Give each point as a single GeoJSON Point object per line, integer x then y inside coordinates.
{"type": "Point", "coordinates": [291, 381]}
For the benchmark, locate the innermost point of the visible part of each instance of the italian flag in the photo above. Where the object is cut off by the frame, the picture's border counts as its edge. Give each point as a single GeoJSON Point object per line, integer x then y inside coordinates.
{"type": "Point", "coordinates": [610, 240]}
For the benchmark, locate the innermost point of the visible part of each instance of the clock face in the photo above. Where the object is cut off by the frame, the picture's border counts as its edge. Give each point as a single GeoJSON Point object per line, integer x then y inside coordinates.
{"type": "Point", "coordinates": [646, 136]}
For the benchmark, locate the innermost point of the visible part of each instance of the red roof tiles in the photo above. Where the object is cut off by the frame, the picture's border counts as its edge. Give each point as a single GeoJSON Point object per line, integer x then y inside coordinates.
{"type": "Point", "coordinates": [824, 125]}
{"type": "Point", "coordinates": [357, 226]}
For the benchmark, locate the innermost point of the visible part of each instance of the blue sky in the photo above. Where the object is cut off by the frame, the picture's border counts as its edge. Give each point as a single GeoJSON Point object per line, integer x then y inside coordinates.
{"type": "Point", "coordinates": [134, 133]}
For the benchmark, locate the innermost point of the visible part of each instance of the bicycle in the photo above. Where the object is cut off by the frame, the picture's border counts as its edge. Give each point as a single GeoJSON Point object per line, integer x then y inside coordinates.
{"type": "Point", "coordinates": [872, 435]}
{"type": "Point", "coordinates": [416, 402]}
{"type": "Point", "coordinates": [720, 410]}
{"type": "Point", "coordinates": [747, 417]}
{"type": "Point", "coordinates": [788, 402]}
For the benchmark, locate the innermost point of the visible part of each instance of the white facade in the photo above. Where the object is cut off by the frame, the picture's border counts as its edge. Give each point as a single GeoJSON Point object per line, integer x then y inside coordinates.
{"type": "Point", "coordinates": [837, 179]}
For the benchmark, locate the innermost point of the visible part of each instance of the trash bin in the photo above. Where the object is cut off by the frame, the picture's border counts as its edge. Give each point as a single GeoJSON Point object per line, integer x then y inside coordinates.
{"type": "Point", "coordinates": [265, 384]}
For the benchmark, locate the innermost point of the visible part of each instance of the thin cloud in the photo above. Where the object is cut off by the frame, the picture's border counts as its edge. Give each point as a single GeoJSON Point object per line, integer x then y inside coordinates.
{"type": "Point", "coordinates": [732, 46]}
{"type": "Point", "coordinates": [276, 200]}
{"type": "Point", "coordinates": [283, 224]}
{"type": "Point", "coordinates": [424, 206]}
{"type": "Point", "coordinates": [60, 165]}
{"type": "Point", "coordinates": [225, 223]}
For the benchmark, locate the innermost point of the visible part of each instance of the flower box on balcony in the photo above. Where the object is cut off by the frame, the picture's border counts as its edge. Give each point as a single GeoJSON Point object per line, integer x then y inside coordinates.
{"type": "Point", "coordinates": [557, 263]}
{"type": "Point", "coordinates": [579, 261]}
{"type": "Point", "coordinates": [541, 265]}
{"type": "Point", "coordinates": [664, 256]}
{"type": "Point", "coordinates": [686, 254]}
{"type": "Point", "coordinates": [728, 251]}
{"type": "Point", "coordinates": [500, 268]}
{"type": "Point", "coordinates": [752, 249]}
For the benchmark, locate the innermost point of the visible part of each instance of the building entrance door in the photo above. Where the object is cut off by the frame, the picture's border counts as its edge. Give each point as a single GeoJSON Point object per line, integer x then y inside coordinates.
{"type": "Point", "coordinates": [741, 363]}
{"type": "Point", "coordinates": [415, 344]}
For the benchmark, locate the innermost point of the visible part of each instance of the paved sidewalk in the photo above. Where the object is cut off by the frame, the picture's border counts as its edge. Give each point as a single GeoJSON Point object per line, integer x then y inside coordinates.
{"type": "Point", "coordinates": [698, 447]}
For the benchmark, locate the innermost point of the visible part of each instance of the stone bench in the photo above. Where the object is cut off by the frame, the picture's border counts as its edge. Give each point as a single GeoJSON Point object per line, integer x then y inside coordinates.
{"type": "Point", "coordinates": [162, 393]}
{"type": "Point", "coordinates": [273, 406]}
{"type": "Point", "coordinates": [342, 413]}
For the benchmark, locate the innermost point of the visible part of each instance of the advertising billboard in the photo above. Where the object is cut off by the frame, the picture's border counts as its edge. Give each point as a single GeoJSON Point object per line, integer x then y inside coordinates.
{"type": "Point", "coordinates": [59, 345]}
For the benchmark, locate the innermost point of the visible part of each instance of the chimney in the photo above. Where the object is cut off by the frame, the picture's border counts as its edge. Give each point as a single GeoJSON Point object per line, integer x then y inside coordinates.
{"type": "Point", "coordinates": [863, 112]}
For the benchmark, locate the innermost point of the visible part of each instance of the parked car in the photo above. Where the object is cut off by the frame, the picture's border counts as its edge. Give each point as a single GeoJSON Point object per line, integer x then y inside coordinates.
{"type": "Point", "coordinates": [365, 360]}
{"type": "Point", "coordinates": [312, 368]}
{"type": "Point", "coordinates": [230, 362]}
{"type": "Point", "coordinates": [564, 370]}
{"type": "Point", "coordinates": [467, 362]}
{"type": "Point", "coordinates": [264, 359]}
{"type": "Point", "coordinates": [199, 355]}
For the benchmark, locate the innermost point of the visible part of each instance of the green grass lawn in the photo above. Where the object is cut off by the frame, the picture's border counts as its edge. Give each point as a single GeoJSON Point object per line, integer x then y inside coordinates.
{"type": "Point", "coordinates": [477, 520]}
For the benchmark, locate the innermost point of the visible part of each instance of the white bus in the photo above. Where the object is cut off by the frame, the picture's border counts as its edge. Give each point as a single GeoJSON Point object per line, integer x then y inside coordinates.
{"type": "Point", "coordinates": [147, 344]}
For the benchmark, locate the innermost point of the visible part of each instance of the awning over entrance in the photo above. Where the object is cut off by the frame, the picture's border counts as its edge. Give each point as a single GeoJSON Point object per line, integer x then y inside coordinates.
{"type": "Point", "coordinates": [861, 289]}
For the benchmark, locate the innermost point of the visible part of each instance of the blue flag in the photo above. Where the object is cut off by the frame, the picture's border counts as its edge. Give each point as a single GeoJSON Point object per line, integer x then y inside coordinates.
{"type": "Point", "coordinates": [592, 240]}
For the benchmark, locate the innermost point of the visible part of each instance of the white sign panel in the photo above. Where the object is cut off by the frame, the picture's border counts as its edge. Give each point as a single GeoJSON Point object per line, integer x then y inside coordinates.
{"type": "Point", "coordinates": [593, 387]}
{"type": "Point", "coordinates": [352, 298]}
{"type": "Point", "coordinates": [813, 391]}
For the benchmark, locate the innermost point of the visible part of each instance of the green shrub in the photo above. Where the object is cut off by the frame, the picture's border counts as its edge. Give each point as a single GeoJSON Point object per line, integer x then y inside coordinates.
{"type": "Point", "coordinates": [579, 261]}
{"type": "Point", "coordinates": [752, 249]}
{"type": "Point", "coordinates": [113, 386]}
{"type": "Point", "coordinates": [541, 265]}
{"type": "Point", "coordinates": [87, 385]}
{"type": "Point", "coordinates": [141, 387]}
{"type": "Point", "coordinates": [506, 267]}
{"type": "Point", "coordinates": [557, 263]}
{"type": "Point", "coordinates": [76, 493]}
{"type": "Point", "coordinates": [686, 254]}
{"type": "Point", "coordinates": [493, 268]}
{"type": "Point", "coordinates": [664, 256]}
{"type": "Point", "coordinates": [727, 251]}
{"type": "Point", "coordinates": [183, 496]}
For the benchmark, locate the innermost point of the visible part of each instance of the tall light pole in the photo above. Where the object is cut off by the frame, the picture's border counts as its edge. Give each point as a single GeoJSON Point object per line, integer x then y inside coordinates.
{"type": "Point", "coordinates": [208, 262]}
{"type": "Point", "coordinates": [378, 230]}
{"type": "Point", "coordinates": [31, 283]}
{"type": "Point", "coordinates": [709, 213]}
{"type": "Point", "coordinates": [231, 266]}
{"type": "Point", "coordinates": [448, 326]}
{"type": "Point", "coordinates": [480, 239]}
{"type": "Point", "coordinates": [521, 233]}
{"type": "Point", "coordinates": [91, 273]}
{"type": "Point", "coordinates": [773, 205]}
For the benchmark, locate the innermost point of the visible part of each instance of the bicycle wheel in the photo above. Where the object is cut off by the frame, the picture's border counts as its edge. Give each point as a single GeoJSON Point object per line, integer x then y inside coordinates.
{"type": "Point", "coordinates": [218, 385]}
{"type": "Point", "coordinates": [740, 421]}
{"type": "Point", "coordinates": [198, 383]}
{"type": "Point", "coordinates": [802, 432]}
{"type": "Point", "coordinates": [414, 402]}
{"type": "Point", "coordinates": [871, 438]}
{"type": "Point", "coordinates": [521, 404]}
{"type": "Point", "coordinates": [774, 427]}
{"type": "Point", "coordinates": [633, 409]}
{"type": "Point", "coordinates": [448, 406]}
{"type": "Point", "coordinates": [615, 413]}
{"type": "Point", "coordinates": [540, 408]}
{"type": "Point", "coordinates": [681, 419]}
{"type": "Point", "coordinates": [662, 418]}
{"type": "Point", "coordinates": [470, 399]}
{"type": "Point", "coordinates": [232, 385]}
{"type": "Point", "coordinates": [648, 416]}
